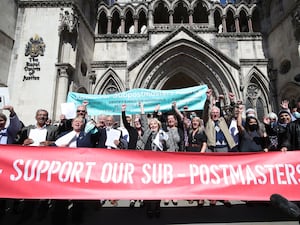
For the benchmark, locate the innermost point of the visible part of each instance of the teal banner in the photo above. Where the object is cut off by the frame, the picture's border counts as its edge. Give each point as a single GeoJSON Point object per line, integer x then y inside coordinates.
{"type": "Point", "coordinates": [193, 97]}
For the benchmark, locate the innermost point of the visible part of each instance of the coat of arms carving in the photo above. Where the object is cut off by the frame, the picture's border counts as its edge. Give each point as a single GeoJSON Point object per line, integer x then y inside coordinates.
{"type": "Point", "coordinates": [35, 47]}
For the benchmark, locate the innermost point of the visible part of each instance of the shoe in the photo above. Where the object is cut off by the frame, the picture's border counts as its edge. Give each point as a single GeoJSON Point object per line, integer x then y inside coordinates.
{"type": "Point", "coordinates": [175, 202]}
{"type": "Point", "coordinates": [102, 202]}
{"type": "Point", "coordinates": [132, 203]}
{"type": "Point", "coordinates": [227, 203]}
{"type": "Point", "coordinates": [114, 203]}
{"type": "Point", "coordinates": [212, 202]}
{"type": "Point", "coordinates": [166, 202]}
{"type": "Point", "coordinates": [190, 201]}
{"type": "Point", "coordinates": [200, 203]}
{"type": "Point", "coordinates": [142, 204]}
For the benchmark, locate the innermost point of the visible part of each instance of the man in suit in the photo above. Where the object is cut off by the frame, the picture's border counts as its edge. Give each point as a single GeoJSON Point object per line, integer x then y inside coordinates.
{"type": "Point", "coordinates": [39, 134]}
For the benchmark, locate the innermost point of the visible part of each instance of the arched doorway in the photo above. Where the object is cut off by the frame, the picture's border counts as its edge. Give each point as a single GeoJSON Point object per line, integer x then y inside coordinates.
{"type": "Point", "coordinates": [179, 80]}
{"type": "Point", "coordinates": [184, 63]}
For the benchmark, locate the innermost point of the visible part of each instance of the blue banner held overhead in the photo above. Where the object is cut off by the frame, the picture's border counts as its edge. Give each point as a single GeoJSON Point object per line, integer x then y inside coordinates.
{"type": "Point", "coordinates": [193, 97]}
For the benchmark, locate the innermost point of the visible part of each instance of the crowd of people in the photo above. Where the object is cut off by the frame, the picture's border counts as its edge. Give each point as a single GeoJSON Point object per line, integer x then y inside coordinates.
{"type": "Point", "coordinates": [219, 127]}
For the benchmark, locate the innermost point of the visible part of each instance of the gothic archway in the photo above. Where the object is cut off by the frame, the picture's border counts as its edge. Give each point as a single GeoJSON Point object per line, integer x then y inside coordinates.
{"type": "Point", "coordinates": [185, 63]}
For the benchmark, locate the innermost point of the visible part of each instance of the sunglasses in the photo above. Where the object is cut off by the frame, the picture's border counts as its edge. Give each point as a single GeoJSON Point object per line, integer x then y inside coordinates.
{"type": "Point", "coordinates": [81, 111]}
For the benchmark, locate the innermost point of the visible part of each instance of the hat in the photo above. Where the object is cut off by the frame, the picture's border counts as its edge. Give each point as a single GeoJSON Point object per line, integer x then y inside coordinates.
{"type": "Point", "coordinates": [284, 111]}
{"type": "Point", "coordinates": [250, 112]}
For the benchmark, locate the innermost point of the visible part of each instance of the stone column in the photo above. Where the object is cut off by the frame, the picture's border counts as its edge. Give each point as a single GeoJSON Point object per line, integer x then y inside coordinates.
{"type": "Point", "coordinates": [191, 21]}
{"type": "Point", "coordinates": [136, 24]}
{"type": "Point", "coordinates": [171, 17]}
{"type": "Point", "coordinates": [150, 19]}
{"type": "Point", "coordinates": [237, 24]}
{"type": "Point", "coordinates": [96, 27]}
{"type": "Point", "coordinates": [211, 19]}
{"type": "Point", "coordinates": [122, 25]}
{"type": "Point", "coordinates": [109, 24]}
{"type": "Point", "coordinates": [250, 24]}
{"type": "Point", "coordinates": [64, 72]}
{"type": "Point", "coordinates": [224, 24]}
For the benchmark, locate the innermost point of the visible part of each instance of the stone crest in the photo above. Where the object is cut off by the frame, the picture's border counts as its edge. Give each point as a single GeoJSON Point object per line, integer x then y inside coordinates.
{"type": "Point", "coordinates": [68, 21]}
{"type": "Point", "coordinates": [35, 47]}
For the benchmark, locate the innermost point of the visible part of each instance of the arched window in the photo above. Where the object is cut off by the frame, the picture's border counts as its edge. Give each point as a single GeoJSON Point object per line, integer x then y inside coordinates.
{"type": "Point", "coordinates": [102, 26]}
{"type": "Point", "coordinates": [161, 14]}
{"type": "Point", "coordinates": [142, 20]}
{"type": "Point", "coordinates": [260, 109]}
{"type": "Point", "coordinates": [243, 21]}
{"type": "Point", "coordinates": [180, 14]}
{"type": "Point", "coordinates": [116, 23]}
{"type": "Point", "coordinates": [200, 14]}
{"type": "Point", "coordinates": [218, 19]}
{"type": "Point", "coordinates": [230, 25]}
{"type": "Point", "coordinates": [255, 98]}
{"type": "Point", "coordinates": [128, 21]}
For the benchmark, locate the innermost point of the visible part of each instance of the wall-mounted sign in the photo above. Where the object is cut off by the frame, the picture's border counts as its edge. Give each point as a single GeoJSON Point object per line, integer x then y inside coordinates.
{"type": "Point", "coordinates": [34, 48]}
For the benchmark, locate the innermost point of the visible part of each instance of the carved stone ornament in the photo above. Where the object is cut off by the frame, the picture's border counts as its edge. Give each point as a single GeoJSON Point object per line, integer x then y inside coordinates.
{"type": "Point", "coordinates": [252, 91]}
{"type": "Point", "coordinates": [68, 21]}
{"type": "Point", "coordinates": [35, 47]}
{"type": "Point", "coordinates": [296, 22]}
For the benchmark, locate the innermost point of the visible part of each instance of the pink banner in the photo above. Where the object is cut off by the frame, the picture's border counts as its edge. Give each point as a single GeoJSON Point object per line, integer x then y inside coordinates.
{"type": "Point", "coordinates": [92, 173]}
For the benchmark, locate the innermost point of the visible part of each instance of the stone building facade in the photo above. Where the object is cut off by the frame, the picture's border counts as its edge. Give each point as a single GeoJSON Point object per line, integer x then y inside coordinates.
{"type": "Point", "coordinates": [280, 23]}
{"type": "Point", "coordinates": [102, 47]}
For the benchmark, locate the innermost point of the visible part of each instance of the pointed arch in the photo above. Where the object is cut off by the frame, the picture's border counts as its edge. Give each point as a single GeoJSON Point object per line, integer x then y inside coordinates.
{"type": "Point", "coordinates": [116, 21]}
{"type": "Point", "coordinates": [129, 8]}
{"type": "Point", "coordinates": [109, 82]}
{"type": "Point", "coordinates": [200, 14]}
{"type": "Point", "coordinates": [257, 92]}
{"type": "Point", "coordinates": [128, 20]}
{"type": "Point", "coordinates": [164, 3]}
{"type": "Point", "coordinates": [81, 89]}
{"type": "Point", "coordinates": [218, 18]}
{"type": "Point", "coordinates": [115, 8]}
{"type": "Point", "coordinates": [180, 14]}
{"type": "Point", "coordinates": [141, 8]}
{"type": "Point", "coordinates": [230, 23]}
{"type": "Point", "coordinates": [204, 3]}
{"type": "Point", "coordinates": [102, 8]}
{"type": "Point", "coordinates": [229, 8]}
{"type": "Point", "coordinates": [243, 21]}
{"type": "Point", "coordinates": [242, 8]}
{"type": "Point", "coordinates": [142, 20]}
{"type": "Point", "coordinates": [185, 4]}
{"type": "Point", "coordinates": [102, 22]}
{"type": "Point", "coordinates": [219, 9]}
{"type": "Point", "coordinates": [290, 91]}
{"type": "Point", "coordinates": [161, 12]}
{"type": "Point", "coordinates": [187, 60]}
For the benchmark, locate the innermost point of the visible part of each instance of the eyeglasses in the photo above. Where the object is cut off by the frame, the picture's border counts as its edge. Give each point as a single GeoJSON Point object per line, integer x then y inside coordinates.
{"type": "Point", "coordinates": [81, 111]}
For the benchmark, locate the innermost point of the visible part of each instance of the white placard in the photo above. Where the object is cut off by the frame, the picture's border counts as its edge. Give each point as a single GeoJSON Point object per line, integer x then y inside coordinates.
{"type": "Point", "coordinates": [4, 97]}
{"type": "Point", "coordinates": [38, 136]}
{"type": "Point", "coordinates": [111, 136]}
{"type": "Point", "coordinates": [69, 110]}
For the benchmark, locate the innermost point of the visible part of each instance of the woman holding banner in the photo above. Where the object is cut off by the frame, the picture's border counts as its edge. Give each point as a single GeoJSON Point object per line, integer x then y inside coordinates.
{"type": "Point", "coordinates": [197, 141]}
{"type": "Point", "coordinates": [155, 139]}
